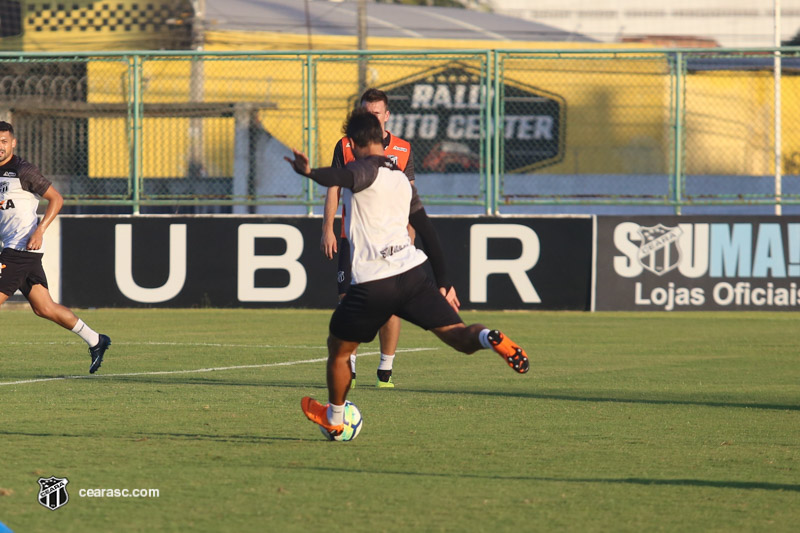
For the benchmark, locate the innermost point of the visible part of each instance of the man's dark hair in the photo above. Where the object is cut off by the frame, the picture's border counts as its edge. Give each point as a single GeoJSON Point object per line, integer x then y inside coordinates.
{"type": "Point", "coordinates": [375, 95]}
{"type": "Point", "coordinates": [5, 126]}
{"type": "Point", "coordinates": [363, 128]}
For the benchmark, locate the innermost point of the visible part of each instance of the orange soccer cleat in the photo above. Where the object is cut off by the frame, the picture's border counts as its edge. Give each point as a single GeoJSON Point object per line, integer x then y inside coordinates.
{"type": "Point", "coordinates": [318, 413]}
{"type": "Point", "coordinates": [508, 350]}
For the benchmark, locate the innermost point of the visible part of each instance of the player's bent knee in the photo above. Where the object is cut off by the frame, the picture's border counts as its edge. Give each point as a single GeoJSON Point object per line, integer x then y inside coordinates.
{"type": "Point", "coordinates": [44, 311]}
{"type": "Point", "coordinates": [340, 348]}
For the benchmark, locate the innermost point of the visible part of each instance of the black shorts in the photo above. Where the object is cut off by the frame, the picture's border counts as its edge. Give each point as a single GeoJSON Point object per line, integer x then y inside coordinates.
{"type": "Point", "coordinates": [20, 270]}
{"type": "Point", "coordinates": [343, 276]}
{"type": "Point", "coordinates": [411, 295]}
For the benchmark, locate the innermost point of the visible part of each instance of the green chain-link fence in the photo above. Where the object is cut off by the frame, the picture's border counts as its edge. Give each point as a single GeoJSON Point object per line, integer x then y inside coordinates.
{"type": "Point", "coordinates": [492, 131]}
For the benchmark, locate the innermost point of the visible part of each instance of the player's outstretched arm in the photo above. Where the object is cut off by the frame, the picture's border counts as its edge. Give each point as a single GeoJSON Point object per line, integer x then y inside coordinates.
{"type": "Point", "coordinates": [325, 176]}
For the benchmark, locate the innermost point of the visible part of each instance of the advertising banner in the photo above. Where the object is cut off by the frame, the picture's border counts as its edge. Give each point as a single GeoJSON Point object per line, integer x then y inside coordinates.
{"type": "Point", "coordinates": [519, 263]}
{"type": "Point", "coordinates": [698, 263]}
{"type": "Point", "coordinates": [230, 261]}
{"type": "Point", "coordinates": [439, 111]}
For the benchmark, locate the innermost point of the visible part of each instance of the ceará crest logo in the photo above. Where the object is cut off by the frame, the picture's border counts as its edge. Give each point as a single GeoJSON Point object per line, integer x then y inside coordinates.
{"type": "Point", "coordinates": [659, 250]}
{"type": "Point", "coordinates": [53, 492]}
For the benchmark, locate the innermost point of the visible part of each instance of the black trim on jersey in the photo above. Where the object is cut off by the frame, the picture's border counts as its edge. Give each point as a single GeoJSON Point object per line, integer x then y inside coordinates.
{"type": "Point", "coordinates": [357, 176]}
{"type": "Point", "coordinates": [30, 178]}
{"type": "Point", "coordinates": [338, 156]}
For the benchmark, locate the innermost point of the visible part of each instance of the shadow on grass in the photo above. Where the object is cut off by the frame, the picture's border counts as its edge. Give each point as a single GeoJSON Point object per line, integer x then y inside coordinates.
{"type": "Point", "coordinates": [739, 485]}
{"type": "Point", "coordinates": [142, 437]}
{"type": "Point", "coordinates": [601, 399]}
{"type": "Point", "coordinates": [320, 385]}
{"type": "Point", "coordinates": [247, 439]}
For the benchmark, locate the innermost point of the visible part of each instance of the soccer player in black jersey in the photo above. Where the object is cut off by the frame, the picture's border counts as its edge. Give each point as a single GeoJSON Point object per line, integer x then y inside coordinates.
{"type": "Point", "coordinates": [21, 237]}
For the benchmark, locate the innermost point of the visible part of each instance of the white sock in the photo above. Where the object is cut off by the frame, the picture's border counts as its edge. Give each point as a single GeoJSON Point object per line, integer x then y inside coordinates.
{"type": "Point", "coordinates": [86, 333]}
{"type": "Point", "coordinates": [386, 362]}
{"type": "Point", "coordinates": [335, 414]}
{"type": "Point", "coordinates": [353, 363]}
{"type": "Point", "coordinates": [483, 336]}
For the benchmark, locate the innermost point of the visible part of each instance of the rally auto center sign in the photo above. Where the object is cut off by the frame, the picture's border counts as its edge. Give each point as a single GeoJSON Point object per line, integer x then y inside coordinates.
{"type": "Point", "coordinates": [692, 263]}
{"type": "Point", "coordinates": [439, 112]}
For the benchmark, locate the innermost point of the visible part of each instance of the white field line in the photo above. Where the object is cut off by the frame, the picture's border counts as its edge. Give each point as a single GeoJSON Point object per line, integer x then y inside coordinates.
{"type": "Point", "coordinates": [153, 343]}
{"type": "Point", "coordinates": [192, 371]}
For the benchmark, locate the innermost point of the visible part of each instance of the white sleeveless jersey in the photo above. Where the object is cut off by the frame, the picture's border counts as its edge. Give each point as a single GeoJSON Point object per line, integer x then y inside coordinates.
{"type": "Point", "coordinates": [21, 185]}
{"type": "Point", "coordinates": [377, 227]}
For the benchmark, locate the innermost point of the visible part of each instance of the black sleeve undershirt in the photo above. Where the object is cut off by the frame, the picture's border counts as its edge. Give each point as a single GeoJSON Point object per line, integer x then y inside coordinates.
{"type": "Point", "coordinates": [330, 176]}
{"type": "Point", "coordinates": [433, 248]}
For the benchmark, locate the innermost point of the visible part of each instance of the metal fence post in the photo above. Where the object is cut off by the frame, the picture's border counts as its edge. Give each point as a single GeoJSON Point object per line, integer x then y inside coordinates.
{"type": "Point", "coordinates": [494, 113]}
{"type": "Point", "coordinates": [777, 134]}
{"type": "Point", "coordinates": [678, 104]}
{"type": "Point", "coordinates": [309, 127]}
{"type": "Point", "coordinates": [135, 110]}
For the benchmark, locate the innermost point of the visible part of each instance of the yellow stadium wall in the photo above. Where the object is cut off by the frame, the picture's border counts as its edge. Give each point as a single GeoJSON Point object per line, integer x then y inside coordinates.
{"type": "Point", "coordinates": [618, 111]}
{"type": "Point", "coordinates": [730, 119]}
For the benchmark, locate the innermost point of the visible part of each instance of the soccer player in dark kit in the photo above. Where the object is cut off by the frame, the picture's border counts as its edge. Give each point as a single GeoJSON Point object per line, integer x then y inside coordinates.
{"type": "Point", "coordinates": [21, 237]}
{"type": "Point", "coordinates": [388, 277]}
{"type": "Point", "coordinates": [399, 152]}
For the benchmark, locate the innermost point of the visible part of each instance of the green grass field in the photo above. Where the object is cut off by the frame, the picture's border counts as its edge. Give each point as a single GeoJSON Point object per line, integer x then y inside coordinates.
{"type": "Point", "coordinates": [626, 422]}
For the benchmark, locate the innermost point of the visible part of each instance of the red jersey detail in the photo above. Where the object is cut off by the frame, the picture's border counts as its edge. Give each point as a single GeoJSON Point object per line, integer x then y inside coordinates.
{"type": "Point", "coordinates": [398, 149]}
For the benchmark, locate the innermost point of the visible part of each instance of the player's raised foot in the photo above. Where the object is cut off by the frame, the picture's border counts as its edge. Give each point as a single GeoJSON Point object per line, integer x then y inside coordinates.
{"type": "Point", "coordinates": [318, 413]}
{"type": "Point", "coordinates": [510, 351]}
{"type": "Point", "coordinates": [385, 379]}
{"type": "Point", "coordinates": [97, 352]}
{"type": "Point", "coordinates": [352, 380]}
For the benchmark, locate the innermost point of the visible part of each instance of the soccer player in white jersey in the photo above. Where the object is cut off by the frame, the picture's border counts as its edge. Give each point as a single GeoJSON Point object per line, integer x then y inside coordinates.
{"type": "Point", "coordinates": [388, 277]}
{"type": "Point", "coordinates": [399, 151]}
{"type": "Point", "coordinates": [21, 238]}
